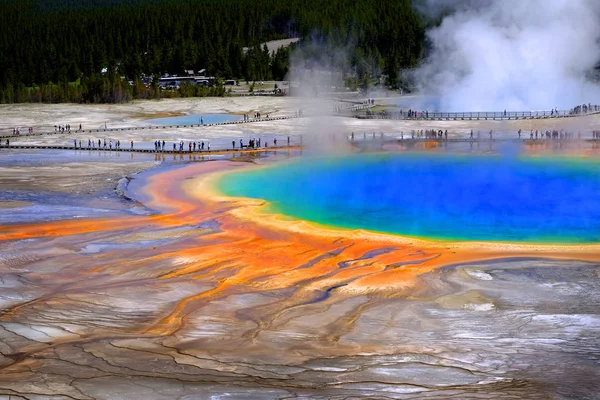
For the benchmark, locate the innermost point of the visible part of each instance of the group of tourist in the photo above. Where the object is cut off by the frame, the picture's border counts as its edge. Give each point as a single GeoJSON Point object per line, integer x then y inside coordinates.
{"type": "Point", "coordinates": [585, 108]}
{"type": "Point", "coordinates": [433, 134]}
{"type": "Point", "coordinates": [257, 115]}
{"type": "Point", "coordinates": [192, 146]}
{"type": "Point", "coordinates": [63, 128]}
{"type": "Point", "coordinates": [255, 143]}
{"type": "Point", "coordinates": [554, 134]}
{"type": "Point", "coordinates": [161, 145]}
{"type": "Point", "coordinates": [57, 129]}
{"type": "Point", "coordinates": [17, 131]}
{"type": "Point", "coordinates": [102, 144]}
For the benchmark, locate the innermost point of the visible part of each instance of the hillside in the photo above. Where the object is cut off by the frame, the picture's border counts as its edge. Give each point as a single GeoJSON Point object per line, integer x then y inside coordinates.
{"type": "Point", "coordinates": [56, 50]}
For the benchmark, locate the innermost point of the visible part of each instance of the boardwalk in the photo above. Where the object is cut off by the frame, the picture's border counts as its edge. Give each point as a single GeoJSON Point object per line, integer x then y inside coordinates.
{"type": "Point", "coordinates": [134, 150]}
{"type": "Point", "coordinates": [476, 116]}
{"type": "Point", "coordinates": [406, 141]}
{"type": "Point", "coordinates": [500, 140]}
{"type": "Point", "coordinates": [148, 128]}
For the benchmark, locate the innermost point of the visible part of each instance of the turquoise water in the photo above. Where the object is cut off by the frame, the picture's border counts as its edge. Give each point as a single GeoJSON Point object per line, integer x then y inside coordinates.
{"type": "Point", "coordinates": [193, 119]}
{"type": "Point", "coordinates": [453, 197]}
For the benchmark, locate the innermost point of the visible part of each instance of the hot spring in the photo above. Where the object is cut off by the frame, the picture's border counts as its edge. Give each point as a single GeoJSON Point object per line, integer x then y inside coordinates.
{"type": "Point", "coordinates": [194, 119]}
{"type": "Point", "coordinates": [448, 197]}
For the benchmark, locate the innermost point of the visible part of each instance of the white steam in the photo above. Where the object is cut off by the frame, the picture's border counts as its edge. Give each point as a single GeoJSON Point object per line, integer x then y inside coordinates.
{"type": "Point", "coordinates": [516, 55]}
{"type": "Point", "coordinates": [317, 72]}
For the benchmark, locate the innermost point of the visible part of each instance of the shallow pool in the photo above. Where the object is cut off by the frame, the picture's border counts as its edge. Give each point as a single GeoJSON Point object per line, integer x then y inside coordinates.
{"type": "Point", "coordinates": [453, 197]}
{"type": "Point", "coordinates": [194, 119]}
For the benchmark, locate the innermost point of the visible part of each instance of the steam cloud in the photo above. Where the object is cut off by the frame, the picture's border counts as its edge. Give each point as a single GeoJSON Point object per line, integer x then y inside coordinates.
{"type": "Point", "coordinates": [317, 71]}
{"type": "Point", "coordinates": [517, 55]}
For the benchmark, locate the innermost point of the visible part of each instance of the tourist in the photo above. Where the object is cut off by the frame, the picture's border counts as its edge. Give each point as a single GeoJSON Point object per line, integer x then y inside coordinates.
{"type": "Point", "coordinates": [132, 145]}
{"type": "Point", "coordinates": [233, 144]}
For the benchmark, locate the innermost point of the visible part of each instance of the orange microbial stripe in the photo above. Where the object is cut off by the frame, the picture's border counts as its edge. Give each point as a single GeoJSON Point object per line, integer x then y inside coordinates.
{"type": "Point", "coordinates": [256, 252]}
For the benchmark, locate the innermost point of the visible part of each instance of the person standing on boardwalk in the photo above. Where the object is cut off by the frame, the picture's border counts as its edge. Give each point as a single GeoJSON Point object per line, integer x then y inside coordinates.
{"type": "Point", "coordinates": [132, 145]}
{"type": "Point", "coordinates": [233, 144]}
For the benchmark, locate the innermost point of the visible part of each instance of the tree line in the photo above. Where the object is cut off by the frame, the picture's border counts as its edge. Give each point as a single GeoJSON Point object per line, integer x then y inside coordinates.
{"type": "Point", "coordinates": [115, 50]}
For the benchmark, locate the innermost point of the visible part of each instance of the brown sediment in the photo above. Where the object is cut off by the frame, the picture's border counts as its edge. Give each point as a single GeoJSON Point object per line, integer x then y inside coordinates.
{"type": "Point", "coordinates": [164, 114]}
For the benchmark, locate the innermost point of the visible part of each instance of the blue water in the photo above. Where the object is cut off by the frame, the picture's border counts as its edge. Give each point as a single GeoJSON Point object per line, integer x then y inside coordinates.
{"type": "Point", "coordinates": [454, 197]}
{"type": "Point", "coordinates": [194, 119]}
